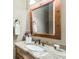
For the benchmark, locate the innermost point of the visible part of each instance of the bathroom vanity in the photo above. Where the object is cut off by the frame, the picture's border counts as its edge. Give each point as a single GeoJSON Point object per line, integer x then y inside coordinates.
{"type": "Point", "coordinates": [24, 52]}
{"type": "Point", "coordinates": [45, 22]}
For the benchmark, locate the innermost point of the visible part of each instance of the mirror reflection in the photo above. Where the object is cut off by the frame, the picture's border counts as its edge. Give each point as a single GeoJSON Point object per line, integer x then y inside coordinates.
{"type": "Point", "coordinates": [43, 19]}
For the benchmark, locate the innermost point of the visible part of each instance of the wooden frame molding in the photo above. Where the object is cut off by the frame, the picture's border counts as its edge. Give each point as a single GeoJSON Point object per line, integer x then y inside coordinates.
{"type": "Point", "coordinates": [57, 34]}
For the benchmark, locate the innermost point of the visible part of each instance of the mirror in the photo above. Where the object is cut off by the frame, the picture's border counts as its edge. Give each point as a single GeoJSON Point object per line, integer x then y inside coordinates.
{"type": "Point", "coordinates": [45, 20]}
{"type": "Point", "coordinates": [42, 20]}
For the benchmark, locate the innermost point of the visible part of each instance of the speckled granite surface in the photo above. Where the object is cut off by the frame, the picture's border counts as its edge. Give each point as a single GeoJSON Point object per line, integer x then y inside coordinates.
{"type": "Point", "coordinates": [50, 53]}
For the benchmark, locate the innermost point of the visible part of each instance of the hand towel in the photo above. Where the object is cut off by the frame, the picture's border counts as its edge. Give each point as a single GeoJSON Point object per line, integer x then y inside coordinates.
{"type": "Point", "coordinates": [17, 28]}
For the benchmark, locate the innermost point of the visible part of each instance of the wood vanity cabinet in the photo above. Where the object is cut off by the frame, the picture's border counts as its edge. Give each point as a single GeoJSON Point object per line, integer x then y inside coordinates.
{"type": "Point", "coordinates": [20, 54]}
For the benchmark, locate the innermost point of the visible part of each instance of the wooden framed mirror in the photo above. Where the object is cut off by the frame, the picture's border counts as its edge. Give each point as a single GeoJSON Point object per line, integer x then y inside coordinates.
{"type": "Point", "coordinates": [45, 19]}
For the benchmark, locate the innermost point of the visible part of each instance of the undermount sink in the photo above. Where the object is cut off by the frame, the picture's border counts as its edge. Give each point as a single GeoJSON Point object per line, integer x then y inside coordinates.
{"type": "Point", "coordinates": [35, 48]}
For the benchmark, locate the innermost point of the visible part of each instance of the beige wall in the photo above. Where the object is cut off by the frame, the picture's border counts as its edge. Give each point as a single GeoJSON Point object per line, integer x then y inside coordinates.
{"type": "Point", "coordinates": [21, 12]}
{"type": "Point", "coordinates": [63, 24]}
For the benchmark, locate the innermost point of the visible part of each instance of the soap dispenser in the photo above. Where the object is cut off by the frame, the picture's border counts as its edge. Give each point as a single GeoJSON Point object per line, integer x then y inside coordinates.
{"type": "Point", "coordinates": [30, 38]}
{"type": "Point", "coordinates": [26, 38]}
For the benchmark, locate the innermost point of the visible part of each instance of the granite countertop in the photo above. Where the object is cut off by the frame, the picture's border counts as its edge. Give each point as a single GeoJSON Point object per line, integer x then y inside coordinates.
{"type": "Point", "coordinates": [50, 52]}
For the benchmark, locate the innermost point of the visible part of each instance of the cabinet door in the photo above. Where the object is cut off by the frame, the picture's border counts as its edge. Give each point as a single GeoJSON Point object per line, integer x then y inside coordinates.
{"type": "Point", "coordinates": [19, 51]}
{"type": "Point", "coordinates": [19, 57]}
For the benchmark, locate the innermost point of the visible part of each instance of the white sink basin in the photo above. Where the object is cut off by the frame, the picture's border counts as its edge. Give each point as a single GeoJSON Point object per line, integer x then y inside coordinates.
{"type": "Point", "coordinates": [35, 48]}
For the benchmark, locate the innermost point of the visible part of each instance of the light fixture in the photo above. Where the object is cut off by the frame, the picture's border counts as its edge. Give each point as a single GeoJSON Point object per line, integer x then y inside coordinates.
{"type": "Point", "coordinates": [32, 2]}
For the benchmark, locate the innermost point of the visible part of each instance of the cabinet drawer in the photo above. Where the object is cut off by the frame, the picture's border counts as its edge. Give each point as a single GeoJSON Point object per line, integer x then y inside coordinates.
{"type": "Point", "coordinates": [19, 51]}
{"type": "Point", "coordinates": [23, 55]}
{"type": "Point", "coordinates": [19, 57]}
{"type": "Point", "coordinates": [28, 56]}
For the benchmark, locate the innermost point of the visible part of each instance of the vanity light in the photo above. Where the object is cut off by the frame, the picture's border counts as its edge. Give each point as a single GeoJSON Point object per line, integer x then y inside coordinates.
{"type": "Point", "coordinates": [32, 2]}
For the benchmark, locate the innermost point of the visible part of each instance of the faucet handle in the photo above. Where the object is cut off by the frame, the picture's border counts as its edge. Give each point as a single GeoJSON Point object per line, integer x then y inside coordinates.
{"type": "Point", "coordinates": [39, 41]}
